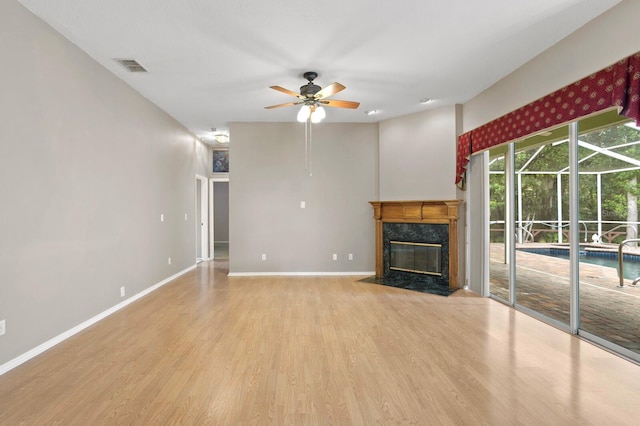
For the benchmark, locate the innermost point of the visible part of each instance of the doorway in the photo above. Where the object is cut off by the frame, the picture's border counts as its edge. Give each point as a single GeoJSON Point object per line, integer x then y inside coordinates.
{"type": "Point", "coordinates": [202, 219]}
{"type": "Point", "coordinates": [220, 219]}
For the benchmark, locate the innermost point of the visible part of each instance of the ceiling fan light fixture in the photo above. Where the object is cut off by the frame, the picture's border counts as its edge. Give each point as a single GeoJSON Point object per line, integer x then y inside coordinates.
{"type": "Point", "coordinates": [318, 115]}
{"type": "Point", "coordinates": [425, 101]}
{"type": "Point", "coordinates": [303, 114]}
{"type": "Point", "coordinates": [371, 112]}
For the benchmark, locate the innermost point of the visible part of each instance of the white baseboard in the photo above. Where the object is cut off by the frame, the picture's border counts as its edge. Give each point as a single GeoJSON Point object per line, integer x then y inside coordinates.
{"type": "Point", "coordinates": [299, 274]}
{"type": "Point", "coordinates": [9, 365]}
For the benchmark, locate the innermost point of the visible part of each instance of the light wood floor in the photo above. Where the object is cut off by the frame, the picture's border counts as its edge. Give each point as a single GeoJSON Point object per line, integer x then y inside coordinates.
{"type": "Point", "coordinates": [207, 349]}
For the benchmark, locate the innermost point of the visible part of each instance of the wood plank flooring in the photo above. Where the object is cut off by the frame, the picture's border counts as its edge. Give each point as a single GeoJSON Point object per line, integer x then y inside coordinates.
{"type": "Point", "coordinates": [211, 350]}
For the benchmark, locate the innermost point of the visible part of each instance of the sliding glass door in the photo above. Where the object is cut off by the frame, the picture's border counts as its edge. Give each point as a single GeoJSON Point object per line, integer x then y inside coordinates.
{"type": "Point", "coordinates": [533, 201]}
{"type": "Point", "coordinates": [542, 227]}
{"type": "Point", "coordinates": [609, 188]}
{"type": "Point", "coordinates": [498, 261]}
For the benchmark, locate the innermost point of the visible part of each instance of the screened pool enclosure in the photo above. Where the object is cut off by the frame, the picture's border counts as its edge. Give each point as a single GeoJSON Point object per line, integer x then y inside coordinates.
{"type": "Point", "coordinates": [561, 205]}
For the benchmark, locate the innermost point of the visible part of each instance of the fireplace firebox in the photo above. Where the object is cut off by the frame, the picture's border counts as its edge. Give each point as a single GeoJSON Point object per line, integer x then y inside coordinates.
{"type": "Point", "coordinates": [418, 258]}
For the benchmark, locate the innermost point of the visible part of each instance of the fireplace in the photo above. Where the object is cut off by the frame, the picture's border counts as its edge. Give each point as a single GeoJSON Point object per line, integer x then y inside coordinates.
{"type": "Point", "coordinates": [418, 258]}
{"type": "Point", "coordinates": [417, 242]}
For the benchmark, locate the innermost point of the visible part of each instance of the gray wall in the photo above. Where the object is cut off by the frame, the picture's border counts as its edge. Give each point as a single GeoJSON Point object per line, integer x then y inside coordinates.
{"type": "Point", "coordinates": [417, 156]}
{"type": "Point", "coordinates": [221, 211]}
{"type": "Point", "coordinates": [87, 166]}
{"type": "Point", "coordinates": [267, 182]}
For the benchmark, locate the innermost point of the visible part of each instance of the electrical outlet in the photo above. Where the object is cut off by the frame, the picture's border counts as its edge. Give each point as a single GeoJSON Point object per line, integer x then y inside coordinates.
{"type": "Point", "coordinates": [335, 256]}
{"type": "Point", "coordinates": [303, 204]}
{"type": "Point", "coordinates": [169, 261]}
{"type": "Point", "coordinates": [161, 218]}
{"type": "Point", "coordinates": [350, 256]}
{"type": "Point", "coordinates": [121, 291]}
{"type": "Point", "coordinates": [3, 327]}
{"type": "Point", "coordinates": [264, 256]}
{"type": "Point", "coordinates": [185, 216]}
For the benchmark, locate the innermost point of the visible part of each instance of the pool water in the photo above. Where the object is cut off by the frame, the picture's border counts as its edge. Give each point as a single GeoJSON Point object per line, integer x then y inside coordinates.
{"type": "Point", "coordinates": [607, 259]}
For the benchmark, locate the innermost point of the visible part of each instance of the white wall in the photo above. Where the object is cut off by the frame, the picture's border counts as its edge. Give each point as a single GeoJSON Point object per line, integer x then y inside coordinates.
{"type": "Point", "coordinates": [87, 166]}
{"type": "Point", "coordinates": [267, 182]}
{"type": "Point", "coordinates": [478, 192]}
{"type": "Point", "coordinates": [417, 156]}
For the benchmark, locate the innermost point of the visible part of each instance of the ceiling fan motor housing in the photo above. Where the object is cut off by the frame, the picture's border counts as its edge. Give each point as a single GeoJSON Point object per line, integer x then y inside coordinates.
{"type": "Point", "coordinates": [309, 90]}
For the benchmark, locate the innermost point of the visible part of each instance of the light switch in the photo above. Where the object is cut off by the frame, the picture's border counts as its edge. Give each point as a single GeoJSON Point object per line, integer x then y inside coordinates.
{"type": "Point", "coordinates": [303, 205]}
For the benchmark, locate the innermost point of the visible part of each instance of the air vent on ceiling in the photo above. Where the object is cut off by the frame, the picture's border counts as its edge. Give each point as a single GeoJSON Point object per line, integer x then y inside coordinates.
{"type": "Point", "coordinates": [131, 65]}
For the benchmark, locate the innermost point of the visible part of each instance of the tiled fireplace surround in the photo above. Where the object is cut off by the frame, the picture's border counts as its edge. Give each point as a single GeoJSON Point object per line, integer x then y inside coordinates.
{"type": "Point", "coordinates": [428, 222]}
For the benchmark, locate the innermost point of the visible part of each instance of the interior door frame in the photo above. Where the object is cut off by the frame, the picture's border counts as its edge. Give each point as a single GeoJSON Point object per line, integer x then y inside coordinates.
{"type": "Point", "coordinates": [202, 225]}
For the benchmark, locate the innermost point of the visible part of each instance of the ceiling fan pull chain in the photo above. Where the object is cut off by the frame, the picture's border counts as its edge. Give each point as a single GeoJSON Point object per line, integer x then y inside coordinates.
{"type": "Point", "coordinates": [306, 147]}
{"type": "Point", "coordinates": [310, 142]}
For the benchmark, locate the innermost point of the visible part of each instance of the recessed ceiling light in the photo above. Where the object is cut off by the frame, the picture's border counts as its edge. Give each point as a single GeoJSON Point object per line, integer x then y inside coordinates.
{"type": "Point", "coordinates": [222, 138]}
{"type": "Point", "coordinates": [219, 136]}
{"type": "Point", "coordinates": [371, 112]}
{"type": "Point", "coordinates": [426, 100]}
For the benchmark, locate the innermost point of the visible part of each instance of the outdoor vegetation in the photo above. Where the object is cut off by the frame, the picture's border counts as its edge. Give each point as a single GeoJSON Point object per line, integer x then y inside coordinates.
{"type": "Point", "coordinates": [611, 155]}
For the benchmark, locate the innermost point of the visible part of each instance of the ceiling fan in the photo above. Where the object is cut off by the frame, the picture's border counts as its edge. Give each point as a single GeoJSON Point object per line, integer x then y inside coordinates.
{"type": "Point", "coordinates": [313, 97]}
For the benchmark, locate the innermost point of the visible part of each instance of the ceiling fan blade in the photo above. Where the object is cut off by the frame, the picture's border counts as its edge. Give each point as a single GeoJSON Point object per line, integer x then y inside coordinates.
{"type": "Point", "coordinates": [341, 104]}
{"type": "Point", "coordinates": [282, 105]}
{"type": "Point", "coordinates": [286, 91]}
{"type": "Point", "coordinates": [330, 90]}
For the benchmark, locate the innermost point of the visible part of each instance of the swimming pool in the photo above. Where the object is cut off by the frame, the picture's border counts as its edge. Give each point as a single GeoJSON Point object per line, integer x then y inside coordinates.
{"type": "Point", "coordinates": [602, 258]}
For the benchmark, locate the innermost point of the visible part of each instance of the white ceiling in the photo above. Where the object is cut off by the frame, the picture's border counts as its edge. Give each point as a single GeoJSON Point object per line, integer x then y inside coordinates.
{"type": "Point", "coordinates": [211, 62]}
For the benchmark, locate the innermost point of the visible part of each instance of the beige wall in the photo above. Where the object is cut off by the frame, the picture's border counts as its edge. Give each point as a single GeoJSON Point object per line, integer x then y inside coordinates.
{"type": "Point", "coordinates": [600, 43]}
{"type": "Point", "coordinates": [417, 156]}
{"type": "Point", "coordinates": [87, 166]}
{"type": "Point", "coordinates": [268, 181]}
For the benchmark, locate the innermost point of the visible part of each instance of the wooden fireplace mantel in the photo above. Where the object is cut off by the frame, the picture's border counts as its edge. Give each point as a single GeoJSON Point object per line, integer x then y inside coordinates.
{"type": "Point", "coordinates": [424, 211]}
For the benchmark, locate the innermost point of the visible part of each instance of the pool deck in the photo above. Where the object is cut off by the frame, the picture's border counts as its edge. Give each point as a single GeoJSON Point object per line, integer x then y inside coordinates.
{"type": "Point", "coordinates": [542, 284]}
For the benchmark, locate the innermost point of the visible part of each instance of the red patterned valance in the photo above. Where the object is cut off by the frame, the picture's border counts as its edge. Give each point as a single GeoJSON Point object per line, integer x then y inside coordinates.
{"type": "Point", "coordinates": [462, 158]}
{"type": "Point", "coordinates": [628, 89]}
{"type": "Point", "coordinates": [617, 85]}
